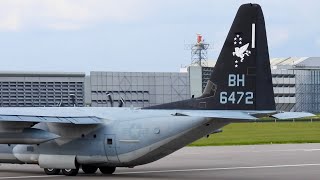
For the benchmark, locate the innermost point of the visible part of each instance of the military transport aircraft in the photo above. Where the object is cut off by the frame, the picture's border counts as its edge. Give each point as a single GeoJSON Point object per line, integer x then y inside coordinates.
{"type": "Point", "coordinates": [68, 138]}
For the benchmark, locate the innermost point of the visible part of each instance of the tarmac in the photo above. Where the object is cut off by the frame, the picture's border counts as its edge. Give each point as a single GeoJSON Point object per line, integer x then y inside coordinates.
{"type": "Point", "coordinates": [251, 162]}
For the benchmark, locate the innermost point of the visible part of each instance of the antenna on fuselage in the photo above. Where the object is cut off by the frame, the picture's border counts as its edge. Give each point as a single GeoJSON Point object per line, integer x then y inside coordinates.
{"type": "Point", "coordinates": [73, 100]}
{"type": "Point", "coordinates": [60, 104]}
{"type": "Point", "coordinates": [121, 102]}
{"type": "Point", "coordinates": [110, 99]}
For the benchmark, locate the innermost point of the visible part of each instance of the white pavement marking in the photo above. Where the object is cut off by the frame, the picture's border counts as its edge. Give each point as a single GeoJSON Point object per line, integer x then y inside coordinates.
{"type": "Point", "coordinates": [284, 150]}
{"type": "Point", "coordinates": [29, 177]}
{"type": "Point", "coordinates": [223, 168]}
{"type": "Point", "coordinates": [251, 151]}
{"type": "Point", "coordinates": [311, 149]}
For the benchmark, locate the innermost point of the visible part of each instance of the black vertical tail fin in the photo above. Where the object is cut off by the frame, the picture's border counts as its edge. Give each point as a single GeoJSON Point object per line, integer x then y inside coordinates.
{"type": "Point", "coordinates": [241, 78]}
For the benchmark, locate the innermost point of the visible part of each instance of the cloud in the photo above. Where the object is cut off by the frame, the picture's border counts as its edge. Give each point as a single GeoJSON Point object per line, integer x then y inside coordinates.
{"type": "Point", "coordinates": [277, 36]}
{"type": "Point", "coordinates": [65, 26]}
{"type": "Point", "coordinates": [11, 22]}
{"type": "Point", "coordinates": [16, 15]}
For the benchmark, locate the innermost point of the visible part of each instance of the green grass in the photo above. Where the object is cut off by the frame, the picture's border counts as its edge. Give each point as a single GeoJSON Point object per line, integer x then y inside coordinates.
{"type": "Point", "coordinates": [264, 133]}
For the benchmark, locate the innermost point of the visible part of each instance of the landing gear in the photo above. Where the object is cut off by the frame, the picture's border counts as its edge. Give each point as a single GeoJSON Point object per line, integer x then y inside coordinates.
{"type": "Point", "coordinates": [86, 169]}
{"type": "Point", "coordinates": [89, 169]}
{"type": "Point", "coordinates": [107, 170]}
{"type": "Point", "coordinates": [70, 172]}
{"type": "Point", "coordinates": [51, 171]}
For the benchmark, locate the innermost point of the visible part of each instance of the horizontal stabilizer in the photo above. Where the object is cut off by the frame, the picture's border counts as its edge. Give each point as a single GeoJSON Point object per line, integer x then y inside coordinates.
{"type": "Point", "coordinates": [242, 116]}
{"type": "Point", "coordinates": [292, 115]}
{"type": "Point", "coordinates": [260, 114]}
{"type": "Point", "coordinates": [233, 116]}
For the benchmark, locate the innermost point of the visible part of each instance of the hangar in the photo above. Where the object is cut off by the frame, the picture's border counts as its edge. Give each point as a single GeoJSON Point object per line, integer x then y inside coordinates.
{"type": "Point", "coordinates": [296, 82]}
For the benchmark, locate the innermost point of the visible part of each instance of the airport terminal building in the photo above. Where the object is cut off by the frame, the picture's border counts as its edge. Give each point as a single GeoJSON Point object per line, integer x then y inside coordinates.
{"type": "Point", "coordinates": [296, 84]}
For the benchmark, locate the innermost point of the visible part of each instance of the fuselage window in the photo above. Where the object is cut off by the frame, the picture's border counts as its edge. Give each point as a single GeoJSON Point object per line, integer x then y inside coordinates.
{"type": "Point", "coordinates": [109, 141]}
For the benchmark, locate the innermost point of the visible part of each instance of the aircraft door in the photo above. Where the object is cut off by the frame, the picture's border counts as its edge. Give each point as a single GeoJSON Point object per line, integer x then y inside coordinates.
{"type": "Point", "coordinates": [110, 147]}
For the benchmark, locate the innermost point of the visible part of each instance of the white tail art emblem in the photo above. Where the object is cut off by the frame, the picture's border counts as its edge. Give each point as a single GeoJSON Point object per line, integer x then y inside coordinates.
{"type": "Point", "coordinates": [240, 50]}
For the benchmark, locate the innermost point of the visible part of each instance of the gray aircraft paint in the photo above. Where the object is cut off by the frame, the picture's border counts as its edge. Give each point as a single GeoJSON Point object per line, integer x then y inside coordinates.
{"type": "Point", "coordinates": [139, 136]}
{"type": "Point", "coordinates": [134, 139]}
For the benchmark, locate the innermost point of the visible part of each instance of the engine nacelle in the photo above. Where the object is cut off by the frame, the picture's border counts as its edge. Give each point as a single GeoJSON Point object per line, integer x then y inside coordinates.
{"type": "Point", "coordinates": [27, 136]}
{"type": "Point", "coordinates": [26, 153]}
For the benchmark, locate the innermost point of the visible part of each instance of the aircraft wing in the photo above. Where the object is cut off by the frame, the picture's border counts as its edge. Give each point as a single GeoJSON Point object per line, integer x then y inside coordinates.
{"type": "Point", "coordinates": [51, 119]}
{"type": "Point", "coordinates": [18, 129]}
{"type": "Point", "coordinates": [48, 115]}
{"type": "Point", "coordinates": [17, 124]}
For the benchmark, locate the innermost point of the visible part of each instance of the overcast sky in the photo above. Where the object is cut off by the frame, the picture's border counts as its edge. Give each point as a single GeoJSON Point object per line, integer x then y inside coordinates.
{"type": "Point", "coordinates": [139, 35]}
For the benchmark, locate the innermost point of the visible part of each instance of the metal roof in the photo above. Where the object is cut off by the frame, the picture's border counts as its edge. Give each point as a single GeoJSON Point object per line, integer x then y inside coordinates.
{"type": "Point", "coordinates": [291, 61]}
{"type": "Point", "coordinates": [295, 62]}
{"type": "Point", "coordinates": [288, 63]}
{"type": "Point", "coordinates": [40, 74]}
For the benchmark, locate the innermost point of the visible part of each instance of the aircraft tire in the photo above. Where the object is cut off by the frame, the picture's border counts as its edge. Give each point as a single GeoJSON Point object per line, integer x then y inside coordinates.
{"type": "Point", "coordinates": [89, 169]}
{"type": "Point", "coordinates": [107, 170]}
{"type": "Point", "coordinates": [51, 171]}
{"type": "Point", "coordinates": [70, 172]}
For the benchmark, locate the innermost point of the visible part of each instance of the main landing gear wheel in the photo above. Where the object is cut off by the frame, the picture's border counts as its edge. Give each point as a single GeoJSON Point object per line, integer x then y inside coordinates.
{"type": "Point", "coordinates": [51, 171]}
{"type": "Point", "coordinates": [70, 172]}
{"type": "Point", "coordinates": [107, 170]}
{"type": "Point", "coordinates": [89, 169]}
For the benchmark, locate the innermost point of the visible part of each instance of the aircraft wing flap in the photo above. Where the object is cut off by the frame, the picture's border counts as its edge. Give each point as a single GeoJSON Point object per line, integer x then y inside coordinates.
{"type": "Point", "coordinates": [292, 115]}
{"type": "Point", "coordinates": [228, 115]}
{"type": "Point", "coordinates": [84, 120]}
{"type": "Point", "coordinates": [51, 119]}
